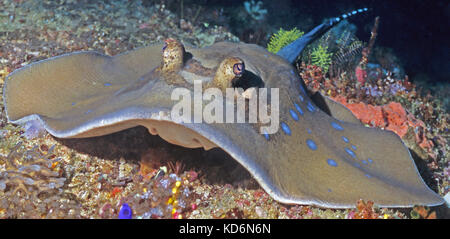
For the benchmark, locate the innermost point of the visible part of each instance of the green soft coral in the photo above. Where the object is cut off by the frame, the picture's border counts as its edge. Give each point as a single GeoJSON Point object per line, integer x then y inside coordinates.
{"type": "Point", "coordinates": [282, 38]}
{"type": "Point", "coordinates": [321, 57]}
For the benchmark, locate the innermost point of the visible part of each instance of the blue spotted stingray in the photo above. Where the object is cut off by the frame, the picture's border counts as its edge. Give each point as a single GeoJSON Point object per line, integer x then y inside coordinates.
{"type": "Point", "coordinates": [321, 155]}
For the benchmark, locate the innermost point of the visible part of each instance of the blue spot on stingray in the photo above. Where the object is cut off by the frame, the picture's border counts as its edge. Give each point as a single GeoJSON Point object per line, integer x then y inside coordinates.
{"type": "Point", "coordinates": [365, 9]}
{"type": "Point", "coordinates": [364, 162]}
{"type": "Point", "coordinates": [73, 103]}
{"type": "Point", "coordinates": [329, 190]}
{"type": "Point", "coordinates": [285, 128]}
{"type": "Point", "coordinates": [332, 163]}
{"type": "Point", "coordinates": [310, 107]}
{"type": "Point", "coordinates": [301, 98]}
{"type": "Point", "coordinates": [293, 114]}
{"type": "Point", "coordinates": [344, 16]}
{"type": "Point", "coordinates": [125, 212]}
{"type": "Point", "coordinates": [89, 111]}
{"type": "Point", "coordinates": [354, 12]}
{"type": "Point", "coordinates": [353, 147]}
{"type": "Point", "coordinates": [311, 144]}
{"type": "Point", "coordinates": [368, 175]}
{"type": "Point", "coordinates": [266, 135]}
{"type": "Point", "coordinates": [266, 55]}
{"type": "Point", "coordinates": [357, 165]}
{"type": "Point", "coordinates": [345, 139]}
{"type": "Point", "coordinates": [302, 90]}
{"type": "Point", "coordinates": [370, 160]}
{"type": "Point", "coordinates": [309, 131]}
{"type": "Point", "coordinates": [350, 152]}
{"type": "Point", "coordinates": [107, 84]}
{"type": "Point", "coordinates": [337, 19]}
{"type": "Point", "coordinates": [298, 108]}
{"type": "Point", "coordinates": [360, 10]}
{"type": "Point", "coordinates": [292, 72]}
{"type": "Point", "coordinates": [336, 126]}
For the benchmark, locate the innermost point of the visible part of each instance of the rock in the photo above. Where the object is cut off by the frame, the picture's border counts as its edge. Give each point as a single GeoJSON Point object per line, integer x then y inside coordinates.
{"type": "Point", "coordinates": [260, 212]}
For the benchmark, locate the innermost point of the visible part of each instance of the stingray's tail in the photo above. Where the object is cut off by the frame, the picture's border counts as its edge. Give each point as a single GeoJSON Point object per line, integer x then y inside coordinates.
{"type": "Point", "coordinates": [293, 50]}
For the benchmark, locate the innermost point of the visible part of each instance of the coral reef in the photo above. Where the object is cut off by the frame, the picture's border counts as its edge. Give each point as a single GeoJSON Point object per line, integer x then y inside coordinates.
{"type": "Point", "coordinates": [391, 117]}
{"type": "Point", "coordinates": [165, 196]}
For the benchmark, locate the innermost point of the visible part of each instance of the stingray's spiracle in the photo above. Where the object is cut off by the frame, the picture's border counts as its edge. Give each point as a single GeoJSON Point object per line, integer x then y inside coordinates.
{"type": "Point", "coordinates": [172, 55]}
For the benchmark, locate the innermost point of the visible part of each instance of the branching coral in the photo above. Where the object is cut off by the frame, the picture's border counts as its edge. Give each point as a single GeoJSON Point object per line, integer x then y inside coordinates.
{"type": "Point", "coordinates": [321, 57]}
{"type": "Point", "coordinates": [31, 188]}
{"type": "Point", "coordinates": [282, 38]}
{"type": "Point", "coordinates": [255, 10]}
{"type": "Point", "coordinates": [33, 175]}
{"type": "Point", "coordinates": [348, 48]}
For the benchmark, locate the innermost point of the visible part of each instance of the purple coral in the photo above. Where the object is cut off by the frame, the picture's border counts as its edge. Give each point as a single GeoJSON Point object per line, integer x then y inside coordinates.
{"type": "Point", "coordinates": [125, 212]}
{"type": "Point", "coordinates": [394, 88]}
{"type": "Point", "coordinates": [373, 91]}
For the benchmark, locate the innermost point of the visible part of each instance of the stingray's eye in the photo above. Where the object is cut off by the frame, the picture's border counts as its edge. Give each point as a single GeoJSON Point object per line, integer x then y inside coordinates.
{"type": "Point", "coordinates": [230, 69]}
{"type": "Point", "coordinates": [238, 69]}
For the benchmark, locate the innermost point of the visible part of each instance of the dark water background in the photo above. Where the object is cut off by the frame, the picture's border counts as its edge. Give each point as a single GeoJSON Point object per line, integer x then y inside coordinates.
{"type": "Point", "coordinates": [416, 30]}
